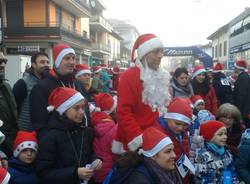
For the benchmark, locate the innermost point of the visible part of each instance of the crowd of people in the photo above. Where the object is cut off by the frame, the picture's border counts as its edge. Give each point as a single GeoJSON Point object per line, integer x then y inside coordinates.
{"type": "Point", "coordinates": [75, 124]}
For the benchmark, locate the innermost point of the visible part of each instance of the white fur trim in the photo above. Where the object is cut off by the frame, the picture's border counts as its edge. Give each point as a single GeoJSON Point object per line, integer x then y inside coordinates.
{"type": "Point", "coordinates": [26, 144]}
{"type": "Point", "coordinates": [198, 101]}
{"type": "Point", "coordinates": [113, 107]}
{"type": "Point", "coordinates": [177, 116]}
{"type": "Point", "coordinates": [217, 71]}
{"type": "Point", "coordinates": [69, 103]}
{"type": "Point", "coordinates": [2, 137]}
{"type": "Point", "coordinates": [117, 147]}
{"type": "Point", "coordinates": [62, 54]}
{"type": "Point", "coordinates": [50, 108]}
{"type": "Point", "coordinates": [239, 67]}
{"type": "Point", "coordinates": [81, 72]}
{"type": "Point", "coordinates": [97, 71]}
{"type": "Point", "coordinates": [1, 123]}
{"type": "Point", "coordinates": [135, 143]}
{"type": "Point", "coordinates": [164, 142]}
{"type": "Point", "coordinates": [6, 178]}
{"type": "Point", "coordinates": [91, 107]}
{"type": "Point", "coordinates": [198, 72]}
{"type": "Point", "coordinates": [148, 46]}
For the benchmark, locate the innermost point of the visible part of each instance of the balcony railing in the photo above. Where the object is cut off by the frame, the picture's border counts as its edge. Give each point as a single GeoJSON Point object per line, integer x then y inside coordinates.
{"type": "Point", "coordinates": [101, 20]}
{"type": "Point", "coordinates": [101, 46]}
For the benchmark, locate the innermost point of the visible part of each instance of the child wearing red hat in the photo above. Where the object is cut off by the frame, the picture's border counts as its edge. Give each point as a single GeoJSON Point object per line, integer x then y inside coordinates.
{"type": "Point", "coordinates": [66, 147]}
{"type": "Point", "coordinates": [214, 162]}
{"type": "Point", "coordinates": [105, 128]}
{"type": "Point", "coordinates": [21, 165]}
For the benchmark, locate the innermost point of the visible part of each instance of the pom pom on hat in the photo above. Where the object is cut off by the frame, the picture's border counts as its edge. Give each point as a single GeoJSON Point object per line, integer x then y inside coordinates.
{"type": "Point", "coordinates": [153, 141]}
{"type": "Point", "coordinates": [218, 68]}
{"type": "Point", "coordinates": [180, 109]}
{"type": "Point", "coordinates": [196, 100]}
{"type": "Point", "coordinates": [144, 44]}
{"type": "Point", "coordinates": [24, 140]}
{"type": "Point", "coordinates": [209, 128]}
{"type": "Point", "coordinates": [105, 102]}
{"type": "Point", "coordinates": [241, 64]}
{"type": "Point", "coordinates": [82, 69]}
{"type": "Point", "coordinates": [198, 69]}
{"type": "Point", "coordinates": [63, 98]}
{"type": "Point", "coordinates": [4, 176]}
{"type": "Point", "coordinates": [59, 51]}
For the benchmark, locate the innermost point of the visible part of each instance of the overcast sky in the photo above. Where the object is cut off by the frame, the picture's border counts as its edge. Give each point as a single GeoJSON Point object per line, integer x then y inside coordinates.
{"type": "Point", "coordinates": [176, 22]}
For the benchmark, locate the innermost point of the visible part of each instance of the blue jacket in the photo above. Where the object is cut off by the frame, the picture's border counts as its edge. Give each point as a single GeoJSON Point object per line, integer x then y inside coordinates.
{"type": "Point", "coordinates": [21, 173]}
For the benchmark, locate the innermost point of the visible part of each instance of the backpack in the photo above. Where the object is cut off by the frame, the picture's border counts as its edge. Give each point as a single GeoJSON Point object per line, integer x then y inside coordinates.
{"type": "Point", "coordinates": [118, 176]}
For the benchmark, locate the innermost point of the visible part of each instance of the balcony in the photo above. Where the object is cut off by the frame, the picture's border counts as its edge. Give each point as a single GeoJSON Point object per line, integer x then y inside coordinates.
{"type": "Point", "coordinates": [47, 30]}
{"type": "Point", "coordinates": [101, 48]}
{"type": "Point", "coordinates": [100, 24]}
{"type": "Point", "coordinates": [77, 7]}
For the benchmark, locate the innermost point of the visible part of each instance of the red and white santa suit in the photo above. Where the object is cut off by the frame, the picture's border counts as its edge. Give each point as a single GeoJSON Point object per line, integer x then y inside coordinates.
{"type": "Point", "coordinates": [142, 95]}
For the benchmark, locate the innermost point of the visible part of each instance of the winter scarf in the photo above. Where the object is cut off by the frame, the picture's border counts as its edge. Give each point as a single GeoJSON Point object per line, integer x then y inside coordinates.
{"type": "Point", "coordinates": [169, 177]}
{"type": "Point", "coordinates": [181, 90]}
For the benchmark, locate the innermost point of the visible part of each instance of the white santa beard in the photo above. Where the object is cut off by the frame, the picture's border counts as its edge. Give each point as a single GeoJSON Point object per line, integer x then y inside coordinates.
{"type": "Point", "coordinates": [155, 87]}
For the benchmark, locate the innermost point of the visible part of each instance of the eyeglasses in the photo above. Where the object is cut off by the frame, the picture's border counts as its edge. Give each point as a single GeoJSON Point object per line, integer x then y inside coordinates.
{"type": "Point", "coordinates": [3, 61]}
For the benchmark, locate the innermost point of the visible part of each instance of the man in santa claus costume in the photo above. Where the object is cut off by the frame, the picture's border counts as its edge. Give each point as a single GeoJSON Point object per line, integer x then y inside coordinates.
{"type": "Point", "coordinates": [142, 94]}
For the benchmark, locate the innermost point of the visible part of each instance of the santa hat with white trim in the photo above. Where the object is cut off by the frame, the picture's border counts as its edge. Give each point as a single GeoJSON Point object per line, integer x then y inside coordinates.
{"type": "Point", "coordinates": [144, 44]}
{"type": "Point", "coordinates": [241, 64]}
{"type": "Point", "coordinates": [218, 68]}
{"type": "Point", "coordinates": [23, 141]}
{"type": "Point", "coordinates": [82, 69]}
{"type": "Point", "coordinates": [96, 69]}
{"type": "Point", "coordinates": [196, 100]}
{"type": "Point", "coordinates": [4, 176]}
{"type": "Point", "coordinates": [61, 99]}
{"type": "Point", "coordinates": [59, 51]}
{"type": "Point", "coordinates": [180, 109]}
{"type": "Point", "coordinates": [153, 141]}
{"type": "Point", "coordinates": [198, 69]}
{"type": "Point", "coordinates": [105, 102]}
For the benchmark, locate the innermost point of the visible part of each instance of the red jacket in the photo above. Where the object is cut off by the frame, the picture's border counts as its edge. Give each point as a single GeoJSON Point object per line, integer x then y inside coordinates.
{"type": "Point", "coordinates": [115, 81]}
{"type": "Point", "coordinates": [105, 130]}
{"type": "Point", "coordinates": [133, 116]}
{"type": "Point", "coordinates": [210, 100]}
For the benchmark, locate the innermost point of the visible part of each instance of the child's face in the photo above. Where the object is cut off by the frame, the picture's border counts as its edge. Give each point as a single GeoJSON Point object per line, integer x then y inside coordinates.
{"type": "Point", "coordinates": [220, 137]}
{"type": "Point", "coordinates": [27, 155]}
{"type": "Point", "coordinates": [177, 126]}
{"type": "Point", "coordinates": [200, 106]}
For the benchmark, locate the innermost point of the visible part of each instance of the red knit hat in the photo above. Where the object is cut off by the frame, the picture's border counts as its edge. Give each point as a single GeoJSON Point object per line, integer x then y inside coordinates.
{"type": "Point", "coordinates": [241, 64]}
{"type": "Point", "coordinates": [4, 176]}
{"type": "Point", "coordinates": [218, 68]}
{"type": "Point", "coordinates": [153, 141]}
{"type": "Point", "coordinates": [62, 99]}
{"type": "Point", "coordinates": [116, 69]}
{"type": "Point", "coordinates": [180, 109]}
{"type": "Point", "coordinates": [96, 69]}
{"type": "Point", "coordinates": [198, 69]}
{"type": "Point", "coordinates": [209, 128]}
{"type": "Point", "coordinates": [196, 100]}
{"type": "Point", "coordinates": [24, 140]}
{"type": "Point", "coordinates": [145, 44]}
{"type": "Point", "coordinates": [82, 69]}
{"type": "Point", "coordinates": [59, 51]}
{"type": "Point", "coordinates": [105, 102]}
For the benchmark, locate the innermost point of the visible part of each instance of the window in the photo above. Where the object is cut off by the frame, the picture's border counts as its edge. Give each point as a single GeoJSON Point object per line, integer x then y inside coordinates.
{"type": "Point", "coordinates": [225, 48]}
{"type": "Point", "coordinates": [212, 52]}
{"type": "Point", "coordinates": [58, 16]}
{"type": "Point", "coordinates": [220, 50]}
{"type": "Point", "coordinates": [216, 48]}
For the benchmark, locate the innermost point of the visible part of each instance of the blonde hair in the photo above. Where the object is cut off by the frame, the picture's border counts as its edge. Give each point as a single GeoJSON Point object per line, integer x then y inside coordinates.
{"type": "Point", "coordinates": [228, 109]}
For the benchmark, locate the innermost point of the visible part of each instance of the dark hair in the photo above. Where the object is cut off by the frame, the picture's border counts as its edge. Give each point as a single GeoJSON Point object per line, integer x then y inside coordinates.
{"type": "Point", "coordinates": [128, 160]}
{"type": "Point", "coordinates": [180, 71]}
{"type": "Point", "coordinates": [201, 88]}
{"type": "Point", "coordinates": [36, 55]}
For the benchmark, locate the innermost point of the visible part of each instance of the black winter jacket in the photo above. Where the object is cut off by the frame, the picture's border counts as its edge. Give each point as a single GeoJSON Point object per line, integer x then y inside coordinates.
{"type": "Point", "coordinates": [60, 151]}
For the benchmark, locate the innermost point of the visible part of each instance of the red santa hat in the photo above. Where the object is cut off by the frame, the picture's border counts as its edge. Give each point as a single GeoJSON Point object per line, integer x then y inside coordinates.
{"type": "Point", "coordinates": [104, 65]}
{"type": "Point", "coordinates": [116, 69]}
{"type": "Point", "coordinates": [180, 109]}
{"type": "Point", "coordinates": [209, 128]}
{"type": "Point", "coordinates": [198, 69]}
{"type": "Point", "coordinates": [105, 102]}
{"type": "Point", "coordinates": [82, 69]}
{"type": "Point", "coordinates": [196, 100]}
{"type": "Point", "coordinates": [96, 69]}
{"type": "Point", "coordinates": [218, 68]}
{"type": "Point", "coordinates": [241, 64]}
{"type": "Point", "coordinates": [144, 44]}
{"type": "Point", "coordinates": [62, 99]}
{"type": "Point", "coordinates": [23, 141]}
{"type": "Point", "coordinates": [153, 141]}
{"type": "Point", "coordinates": [4, 176]}
{"type": "Point", "coordinates": [59, 51]}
